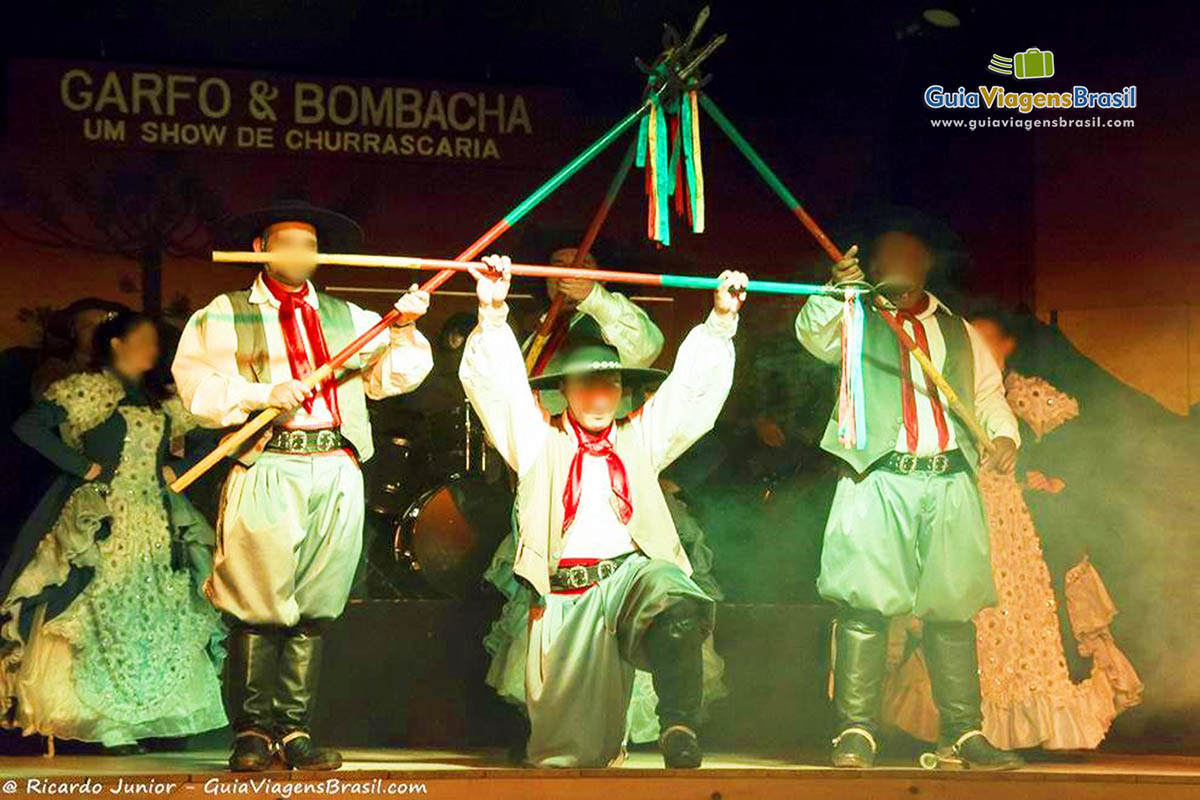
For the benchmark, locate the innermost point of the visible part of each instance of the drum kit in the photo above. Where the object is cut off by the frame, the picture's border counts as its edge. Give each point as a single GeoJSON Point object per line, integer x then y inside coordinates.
{"type": "Point", "coordinates": [445, 496]}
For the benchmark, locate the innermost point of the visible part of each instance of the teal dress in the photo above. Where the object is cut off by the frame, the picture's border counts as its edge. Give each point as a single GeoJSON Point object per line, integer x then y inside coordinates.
{"type": "Point", "coordinates": [105, 634]}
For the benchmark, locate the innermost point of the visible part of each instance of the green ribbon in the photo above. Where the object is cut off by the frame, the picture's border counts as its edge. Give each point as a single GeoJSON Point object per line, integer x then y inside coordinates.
{"type": "Point", "coordinates": [688, 124]}
{"type": "Point", "coordinates": [664, 179]}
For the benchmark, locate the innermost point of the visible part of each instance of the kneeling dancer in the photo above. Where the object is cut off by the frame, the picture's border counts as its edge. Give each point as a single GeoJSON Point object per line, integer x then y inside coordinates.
{"type": "Point", "coordinates": [596, 541]}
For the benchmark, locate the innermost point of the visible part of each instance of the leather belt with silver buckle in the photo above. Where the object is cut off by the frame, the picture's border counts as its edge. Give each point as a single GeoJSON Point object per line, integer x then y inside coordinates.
{"type": "Point", "coordinates": [580, 576]}
{"type": "Point", "coordinates": [300, 442]}
{"type": "Point", "coordinates": [940, 464]}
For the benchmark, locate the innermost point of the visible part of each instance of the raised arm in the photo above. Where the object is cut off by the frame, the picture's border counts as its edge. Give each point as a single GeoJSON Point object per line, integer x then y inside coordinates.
{"type": "Point", "coordinates": [492, 372]}
{"type": "Point", "coordinates": [624, 325]}
{"type": "Point", "coordinates": [400, 357]}
{"type": "Point", "coordinates": [818, 325]}
{"type": "Point", "coordinates": [686, 406]}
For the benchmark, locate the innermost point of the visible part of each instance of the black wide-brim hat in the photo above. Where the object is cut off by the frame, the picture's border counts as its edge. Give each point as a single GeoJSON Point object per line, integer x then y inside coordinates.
{"type": "Point", "coordinates": [595, 355]}
{"type": "Point", "coordinates": [950, 257]}
{"type": "Point", "coordinates": [336, 233]}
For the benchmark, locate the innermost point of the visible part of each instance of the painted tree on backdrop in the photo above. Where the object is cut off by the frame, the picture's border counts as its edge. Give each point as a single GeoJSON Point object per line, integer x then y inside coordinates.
{"type": "Point", "coordinates": [144, 211]}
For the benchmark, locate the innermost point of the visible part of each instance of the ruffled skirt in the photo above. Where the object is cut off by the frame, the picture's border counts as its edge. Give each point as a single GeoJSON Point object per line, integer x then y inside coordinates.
{"type": "Point", "coordinates": [136, 653]}
{"type": "Point", "coordinates": [1029, 699]}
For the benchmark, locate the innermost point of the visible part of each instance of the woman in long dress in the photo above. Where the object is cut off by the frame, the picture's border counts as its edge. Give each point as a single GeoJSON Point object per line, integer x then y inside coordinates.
{"type": "Point", "coordinates": [105, 635]}
{"type": "Point", "coordinates": [1029, 699]}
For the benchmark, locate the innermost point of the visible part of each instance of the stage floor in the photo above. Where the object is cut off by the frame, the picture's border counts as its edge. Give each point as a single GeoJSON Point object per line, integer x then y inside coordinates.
{"type": "Point", "coordinates": [483, 775]}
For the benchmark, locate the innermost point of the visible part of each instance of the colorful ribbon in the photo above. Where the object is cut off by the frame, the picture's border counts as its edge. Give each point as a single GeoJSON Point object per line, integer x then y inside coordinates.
{"type": "Point", "coordinates": [689, 123]}
{"type": "Point", "coordinates": [852, 411]}
{"type": "Point", "coordinates": [669, 150]}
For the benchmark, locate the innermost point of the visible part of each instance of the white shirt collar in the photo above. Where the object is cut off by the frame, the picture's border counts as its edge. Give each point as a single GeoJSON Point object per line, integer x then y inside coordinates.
{"type": "Point", "coordinates": [930, 309]}
{"type": "Point", "coordinates": [259, 293]}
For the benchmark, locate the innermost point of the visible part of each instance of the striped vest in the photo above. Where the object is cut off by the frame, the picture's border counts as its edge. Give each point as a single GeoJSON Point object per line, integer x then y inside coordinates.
{"type": "Point", "coordinates": [253, 360]}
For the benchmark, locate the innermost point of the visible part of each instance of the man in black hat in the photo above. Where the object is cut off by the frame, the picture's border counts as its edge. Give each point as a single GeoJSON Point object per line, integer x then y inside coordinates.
{"type": "Point", "coordinates": [588, 308]}
{"type": "Point", "coordinates": [595, 537]}
{"type": "Point", "coordinates": [290, 530]}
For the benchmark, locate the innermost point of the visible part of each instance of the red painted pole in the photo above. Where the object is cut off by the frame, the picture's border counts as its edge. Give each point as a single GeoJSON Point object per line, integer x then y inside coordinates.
{"type": "Point", "coordinates": [589, 238]}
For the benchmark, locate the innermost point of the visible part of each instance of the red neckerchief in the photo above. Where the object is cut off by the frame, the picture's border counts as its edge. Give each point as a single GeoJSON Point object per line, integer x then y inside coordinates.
{"type": "Point", "coordinates": [289, 303]}
{"type": "Point", "coordinates": [595, 444]}
{"type": "Point", "coordinates": [908, 397]}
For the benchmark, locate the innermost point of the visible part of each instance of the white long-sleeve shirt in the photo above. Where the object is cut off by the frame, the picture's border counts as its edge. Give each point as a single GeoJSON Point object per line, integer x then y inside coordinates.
{"type": "Point", "coordinates": [818, 327]}
{"type": "Point", "coordinates": [211, 387]}
{"type": "Point", "coordinates": [684, 408]}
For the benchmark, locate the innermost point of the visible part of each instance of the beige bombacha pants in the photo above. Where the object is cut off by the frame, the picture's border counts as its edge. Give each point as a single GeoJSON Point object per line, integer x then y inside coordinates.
{"type": "Point", "coordinates": [583, 652]}
{"type": "Point", "coordinates": [288, 538]}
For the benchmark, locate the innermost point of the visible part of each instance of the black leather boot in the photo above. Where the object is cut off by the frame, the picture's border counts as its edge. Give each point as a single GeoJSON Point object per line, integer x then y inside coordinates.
{"type": "Point", "coordinates": [517, 752]}
{"type": "Point", "coordinates": [295, 691]}
{"type": "Point", "coordinates": [954, 674]}
{"type": "Point", "coordinates": [858, 672]}
{"type": "Point", "coordinates": [250, 673]}
{"type": "Point", "coordinates": [673, 646]}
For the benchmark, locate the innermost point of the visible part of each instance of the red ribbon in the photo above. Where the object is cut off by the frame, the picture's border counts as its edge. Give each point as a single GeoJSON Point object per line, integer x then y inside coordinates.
{"type": "Point", "coordinates": [908, 395]}
{"type": "Point", "coordinates": [291, 302]}
{"type": "Point", "coordinates": [595, 444]}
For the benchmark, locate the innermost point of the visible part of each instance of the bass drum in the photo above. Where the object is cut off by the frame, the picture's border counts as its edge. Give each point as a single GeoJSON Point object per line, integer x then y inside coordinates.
{"type": "Point", "coordinates": [449, 534]}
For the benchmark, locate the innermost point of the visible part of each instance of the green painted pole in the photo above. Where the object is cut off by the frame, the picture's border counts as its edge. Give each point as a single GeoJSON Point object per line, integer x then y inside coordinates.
{"type": "Point", "coordinates": [576, 164]}
{"type": "Point", "coordinates": [541, 193]}
{"type": "Point", "coordinates": [757, 287]}
{"type": "Point", "coordinates": [768, 176]}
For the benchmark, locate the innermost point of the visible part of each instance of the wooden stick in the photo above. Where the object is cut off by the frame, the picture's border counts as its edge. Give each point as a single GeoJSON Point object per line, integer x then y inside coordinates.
{"type": "Point", "coordinates": [537, 271]}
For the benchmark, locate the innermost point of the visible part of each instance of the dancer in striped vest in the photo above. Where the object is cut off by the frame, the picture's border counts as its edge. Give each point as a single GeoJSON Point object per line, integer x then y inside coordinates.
{"type": "Point", "coordinates": [290, 531]}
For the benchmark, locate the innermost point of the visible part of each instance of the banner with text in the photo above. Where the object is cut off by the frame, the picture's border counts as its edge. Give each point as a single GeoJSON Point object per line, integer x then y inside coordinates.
{"type": "Point", "coordinates": [66, 103]}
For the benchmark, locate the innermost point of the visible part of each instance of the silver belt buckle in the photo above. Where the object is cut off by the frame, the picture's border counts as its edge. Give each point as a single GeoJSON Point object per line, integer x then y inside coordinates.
{"type": "Point", "coordinates": [939, 463]}
{"type": "Point", "coordinates": [577, 577]}
{"type": "Point", "coordinates": [605, 569]}
{"type": "Point", "coordinates": [906, 464]}
{"type": "Point", "coordinates": [295, 441]}
{"type": "Point", "coordinates": [326, 439]}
